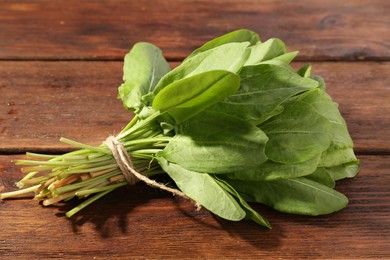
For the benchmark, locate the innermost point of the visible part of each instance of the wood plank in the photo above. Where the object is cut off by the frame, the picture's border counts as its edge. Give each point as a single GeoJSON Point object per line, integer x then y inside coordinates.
{"type": "Point", "coordinates": [42, 101]}
{"type": "Point", "coordinates": [326, 30]}
{"type": "Point", "coordinates": [141, 222]}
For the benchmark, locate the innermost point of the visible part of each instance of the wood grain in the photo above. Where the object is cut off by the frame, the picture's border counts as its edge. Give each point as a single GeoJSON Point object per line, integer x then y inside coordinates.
{"type": "Point", "coordinates": [141, 222]}
{"type": "Point", "coordinates": [326, 30]}
{"type": "Point", "coordinates": [42, 101]}
{"type": "Point", "coordinates": [61, 63]}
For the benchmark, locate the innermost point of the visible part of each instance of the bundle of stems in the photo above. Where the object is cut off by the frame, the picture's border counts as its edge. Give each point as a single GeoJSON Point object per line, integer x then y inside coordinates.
{"type": "Point", "coordinates": [90, 172]}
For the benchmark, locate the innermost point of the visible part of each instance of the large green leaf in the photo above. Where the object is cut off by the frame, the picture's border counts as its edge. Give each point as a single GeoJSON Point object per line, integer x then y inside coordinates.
{"type": "Point", "coordinates": [321, 82]}
{"type": "Point", "coordinates": [144, 66]}
{"type": "Point", "coordinates": [216, 143]}
{"type": "Point", "coordinates": [263, 88]}
{"type": "Point", "coordinates": [299, 195]}
{"type": "Point", "coordinates": [250, 212]}
{"type": "Point", "coordinates": [242, 35]}
{"type": "Point", "coordinates": [348, 170]}
{"type": "Point", "coordinates": [185, 98]}
{"type": "Point", "coordinates": [297, 134]}
{"type": "Point", "coordinates": [340, 151]}
{"type": "Point", "coordinates": [337, 156]}
{"type": "Point", "coordinates": [230, 57]}
{"type": "Point", "coordinates": [305, 71]}
{"type": "Point", "coordinates": [325, 106]}
{"type": "Point", "coordinates": [287, 57]}
{"type": "Point", "coordinates": [267, 50]}
{"type": "Point", "coordinates": [270, 170]}
{"type": "Point", "coordinates": [322, 176]}
{"type": "Point", "coordinates": [203, 189]}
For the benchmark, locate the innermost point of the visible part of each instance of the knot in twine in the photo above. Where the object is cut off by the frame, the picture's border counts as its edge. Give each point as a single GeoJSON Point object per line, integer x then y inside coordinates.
{"type": "Point", "coordinates": [124, 162]}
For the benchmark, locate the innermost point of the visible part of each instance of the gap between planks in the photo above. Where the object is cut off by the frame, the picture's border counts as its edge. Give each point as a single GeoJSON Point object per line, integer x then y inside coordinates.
{"type": "Point", "coordinates": [180, 59]}
{"type": "Point", "coordinates": [21, 151]}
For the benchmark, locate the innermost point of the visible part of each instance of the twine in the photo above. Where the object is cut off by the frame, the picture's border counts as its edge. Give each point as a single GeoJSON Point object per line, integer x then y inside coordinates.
{"type": "Point", "coordinates": [124, 162]}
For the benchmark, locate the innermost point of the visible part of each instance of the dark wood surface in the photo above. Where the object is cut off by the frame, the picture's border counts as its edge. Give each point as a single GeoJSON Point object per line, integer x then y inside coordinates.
{"type": "Point", "coordinates": [60, 65]}
{"type": "Point", "coordinates": [72, 29]}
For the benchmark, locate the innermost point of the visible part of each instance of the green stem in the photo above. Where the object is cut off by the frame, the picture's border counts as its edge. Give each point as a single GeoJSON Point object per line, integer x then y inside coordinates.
{"type": "Point", "coordinates": [81, 184]}
{"type": "Point", "coordinates": [85, 146]}
{"type": "Point", "coordinates": [147, 141]}
{"type": "Point", "coordinates": [86, 203]}
{"type": "Point", "coordinates": [131, 123]}
{"type": "Point", "coordinates": [17, 193]}
{"type": "Point", "coordinates": [79, 152]}
{"type": "Point", "coordinates": [27, 177]}
{"type": "Point", "coordinates": [139, 125]}
{"type": "Point", "coordinates": [36, 180]}
{"type": "Point", "coordinates": [86, 170]}
{"type": "Point", "coordinates": [38, 155]}
{"type": "Point", "coordinates": [100, 189]}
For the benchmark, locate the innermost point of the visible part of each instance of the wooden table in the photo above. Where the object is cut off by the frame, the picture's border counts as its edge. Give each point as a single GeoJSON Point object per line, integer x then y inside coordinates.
{"type": "Point", "coordinates": [61, 63]}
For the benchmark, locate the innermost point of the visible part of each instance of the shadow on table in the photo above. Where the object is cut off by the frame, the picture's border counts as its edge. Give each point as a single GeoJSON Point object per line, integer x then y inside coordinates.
{"type": "Point", "coordinates": [244, 230]}
{"type": "Point", "coordinates": [143, 209]}
{"type": "Point", "coordinates": [110, 213]}
{"type": "Point", "coordinates": [116, 214]}
{"type": "Point", "coordinates": [157, 211]}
